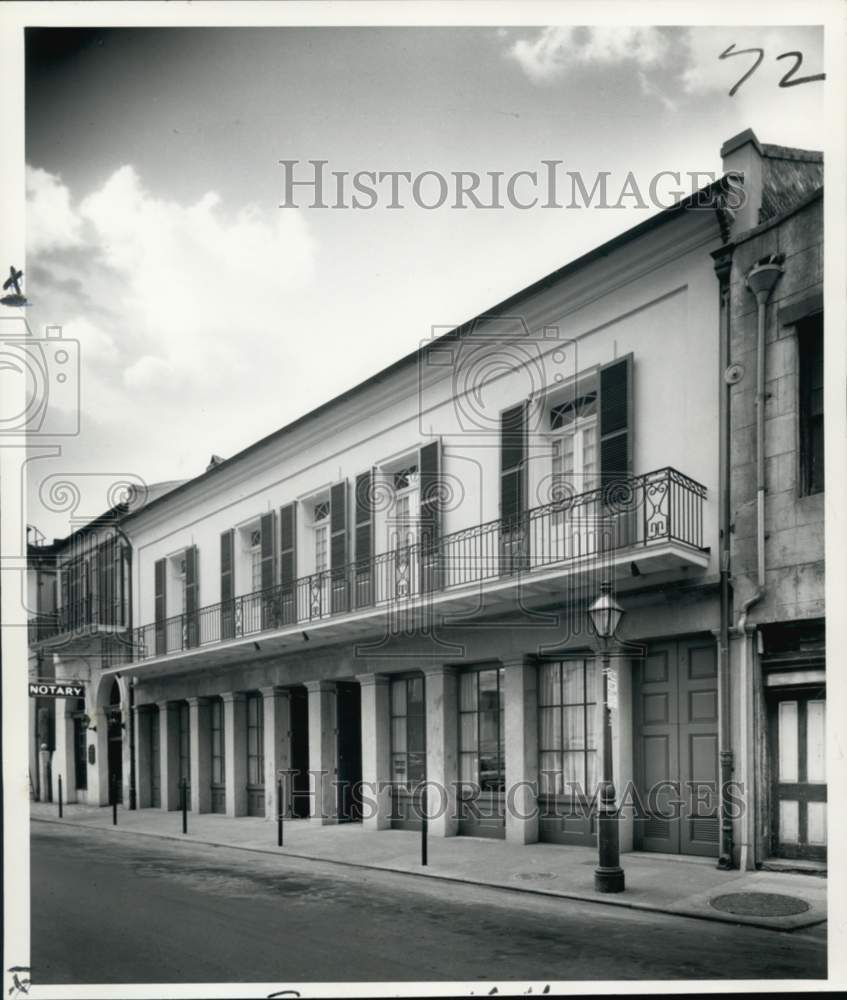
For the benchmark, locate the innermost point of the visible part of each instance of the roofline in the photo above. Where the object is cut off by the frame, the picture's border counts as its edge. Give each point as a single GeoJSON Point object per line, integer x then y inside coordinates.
{"type": "Point", "coordinates": [603, 250]}
{"type": "Point", "coordinates": [775, 220]}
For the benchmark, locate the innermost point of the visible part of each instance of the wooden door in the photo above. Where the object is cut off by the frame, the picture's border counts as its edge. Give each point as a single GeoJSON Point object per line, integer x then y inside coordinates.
{"type": "Point", "coordinates": [797, 730]}
{"type": "Point", "coordinates": [676, 748]}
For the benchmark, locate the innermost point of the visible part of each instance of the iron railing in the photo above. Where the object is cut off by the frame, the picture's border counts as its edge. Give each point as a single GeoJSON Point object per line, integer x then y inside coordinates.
{"type": "Point", "coordinates": [636, 512]}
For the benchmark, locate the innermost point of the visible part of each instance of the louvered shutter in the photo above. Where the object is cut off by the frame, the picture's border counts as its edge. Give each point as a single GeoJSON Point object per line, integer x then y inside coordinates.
{"type": "Point", "coordinates": [430, 513]}
{"type": "Point", "coordinates": [338, 545]}
{"type": "Point", "coordinates": [160, 605]}
{"type": "Point", "coordinates": [512, 488]}
{"type": "Point", "coordinates": [288, 562]}
{"type": "Point", "coordinates": [364, 539]}
{"type": "Point", "coordinates": [615, 407]}
{"type": "Point", "coordinates": [268, 563]}
{"type": "Point", "coordinates": [64, 589]}
{"type": "Point", "coordinates": [227, 585]}
{"type": "Point", "coordinates": [192, 602]}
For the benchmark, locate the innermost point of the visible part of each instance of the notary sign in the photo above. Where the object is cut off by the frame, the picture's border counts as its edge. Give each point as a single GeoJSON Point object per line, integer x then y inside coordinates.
{"type": "Point", "coordinates": [55, 689]}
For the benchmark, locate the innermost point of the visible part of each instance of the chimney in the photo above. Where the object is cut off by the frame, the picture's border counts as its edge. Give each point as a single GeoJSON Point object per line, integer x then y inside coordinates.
{"type": "Point", "coordinates": [742, 154]}
{"type": "Point", "coordinates": [213, 461]}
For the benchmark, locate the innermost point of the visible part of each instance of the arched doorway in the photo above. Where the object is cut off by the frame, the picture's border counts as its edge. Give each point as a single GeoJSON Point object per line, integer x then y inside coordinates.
{"type": "Point", "coordinates": [115, 744]}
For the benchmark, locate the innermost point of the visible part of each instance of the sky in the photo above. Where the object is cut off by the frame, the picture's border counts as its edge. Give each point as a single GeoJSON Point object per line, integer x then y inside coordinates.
{"type": "Point", "coordinates": [207, 316]}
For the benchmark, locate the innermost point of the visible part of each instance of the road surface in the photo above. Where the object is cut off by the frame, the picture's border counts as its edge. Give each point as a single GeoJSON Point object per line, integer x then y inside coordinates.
{"type": "Point", "coordinates": [120, 908]}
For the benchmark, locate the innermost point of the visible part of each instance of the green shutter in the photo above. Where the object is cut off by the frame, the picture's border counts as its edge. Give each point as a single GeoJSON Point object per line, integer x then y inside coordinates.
{"type": "Point", "coordinates": [512, 488]}
{"type": "Point", "coordinates": [338, 546]}
{"type": "Point", "coordinates": [364, 539]}
{"type": "Point", "coordinates": [288, 562]}
{"type": "Point", "coordinates": [615, 408]}
{"type": "Point", "coordinates": [268, 566]}
{"type": "Point", "coordinates": [227, 585]}
{"type": "Point", "coordinates": [430, 514]}
{"type": "Point", "coordinates": [160, 605]}
{"type": "Point", "coordinates": [192, 589]}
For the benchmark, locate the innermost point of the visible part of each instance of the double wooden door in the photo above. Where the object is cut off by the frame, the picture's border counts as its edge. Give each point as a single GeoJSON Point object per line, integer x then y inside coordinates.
{"type": "Point", "coordinates": [676, 748]}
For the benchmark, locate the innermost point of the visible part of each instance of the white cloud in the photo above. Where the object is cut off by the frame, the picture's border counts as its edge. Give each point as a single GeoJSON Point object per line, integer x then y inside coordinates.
{"type": "Point", "coordinates": [556, 50]}
{"type": "Point", "coordinates": [95, 344]}
{"type": "Point", "coordinates": [51, 223]}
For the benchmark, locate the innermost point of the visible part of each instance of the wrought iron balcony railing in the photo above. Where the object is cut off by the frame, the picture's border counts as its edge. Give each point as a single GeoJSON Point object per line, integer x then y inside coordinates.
{"type": "Point", "coordinates": [638, 512]}
{"type": "Point", "coordinates": [80, 616]}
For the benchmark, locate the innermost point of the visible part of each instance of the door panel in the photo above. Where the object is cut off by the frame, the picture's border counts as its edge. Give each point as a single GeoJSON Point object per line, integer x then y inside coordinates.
{"type": "Point", "coordinates": [797, 729]}
{"type": "Point", "coordinates": [676, 748]}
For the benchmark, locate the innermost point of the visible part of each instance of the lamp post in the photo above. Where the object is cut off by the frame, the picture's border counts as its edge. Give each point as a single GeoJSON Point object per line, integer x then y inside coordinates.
{"type": "Point", "coordinates": [605, 614]}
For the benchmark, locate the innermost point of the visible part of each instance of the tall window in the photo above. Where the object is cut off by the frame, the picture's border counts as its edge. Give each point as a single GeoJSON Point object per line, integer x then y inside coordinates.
{"type": "Point", "coordinates": [255, 561]}
{"type": "Point", "coordinates": [408, 731]}
{"type": "Point", "coordinates": [573, 429]}
{"type": "Point", "coordinates": [482, 735]}
{"type": "Point", "coordinates": [255, 741]}
{"type": "Point", "coordinates": [567, 729]}
{"type": "Point", "coordinates": [320, 522]}
{"type": "Point", "coordinates": [217, 731]}
{"type": "Point", "coordinates": [810, 345]}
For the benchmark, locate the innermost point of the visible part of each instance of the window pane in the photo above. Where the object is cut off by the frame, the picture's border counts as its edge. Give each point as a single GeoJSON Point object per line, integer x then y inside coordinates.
{"type": "Point", "coordinates": [468, 768]}
{"type": "Point", "coordinates": [467, 732]}
{"type": "Point", "coordinates": [398, 767]}
{"type": "Point", "coordinates": [593, 769]}
{"type": "Point", "coordinates": [415, 733]}
{"type": "Point", "coordinates": [489, 731]}
{"type": "Point", "coordinates": [398, 735]}
{"type": "Point", "coordinates": [550, 773]}
{"type": "Point", "coordinates": [591, 720]}
{"type": "Point", "coordinates": [398, 697]}
{"type": "Point", "coordinates": [573, 767]}
{"type": "Point", "coordinates": [591, 676]}
{"type": "Point", "coordinates": [550, 729]}
{"type": "Point", "coordinates": [572, 690]}
{"type": "Point", "coordinates": [415, 692]}
{"type": "Point", "coordinates": [815, 742]}
{"type": "Point", "coordinates": [788, 755]}
{"type": "Point", "coordinates": [417, 767]}
{"type": "Point", "coordinates": [549, 684]}
{"type": "Point", "coordinates": [467, 692]}
{"type": "Point", "coordinates": [573, 735]}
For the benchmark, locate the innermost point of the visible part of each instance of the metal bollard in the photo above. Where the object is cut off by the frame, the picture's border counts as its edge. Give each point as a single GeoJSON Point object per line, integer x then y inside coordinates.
{"type": "Point", "coordinates": [424, 828]}
{"type": "Point", "coordinates": [114, 809]}
{"type": "Point", "coordinates": [60, 796]}
{"type": "Point", "coordinates": [279, 806]}
{"type": "Point", "coordinates": [184, 806]}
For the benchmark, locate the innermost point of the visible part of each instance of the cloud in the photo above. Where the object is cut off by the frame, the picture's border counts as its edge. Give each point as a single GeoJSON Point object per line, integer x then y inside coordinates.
{"type": "Point", "coordinates": [51, 222]}
{"type": "Point", "coordinates": [556, 50]}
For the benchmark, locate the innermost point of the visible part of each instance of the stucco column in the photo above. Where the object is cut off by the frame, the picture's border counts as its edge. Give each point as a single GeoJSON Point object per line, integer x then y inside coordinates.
{"type": "Point", "coordinates": [521, 720]}
{"type": "Point", "coordinates": [63, 755]}
{"type": "Point", "coordinates": [235, 752]}
{"type": "Point", "coordinates": [622, 754]}
{"type": "Point", "coordinates": [98, 773]}
{"type": "Point", "coordinates": [323, 751]}
{"type": "Point", "coordinates": [144, 719]}
{"type": "Point", "coordinates": [376, 751]}
{"type": "Point", "coordinates": [169, 754]}
{"type": "Point", "coordinates": [200, 763]}
{"type": "Point", "coordinates": [277, 748]}
{"type": "Point", "coordinates": [442, 753]}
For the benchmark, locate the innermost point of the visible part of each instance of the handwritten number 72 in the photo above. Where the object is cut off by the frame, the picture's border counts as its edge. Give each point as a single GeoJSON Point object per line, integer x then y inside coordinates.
{"type": "Point", "coordinates": [789, 80]}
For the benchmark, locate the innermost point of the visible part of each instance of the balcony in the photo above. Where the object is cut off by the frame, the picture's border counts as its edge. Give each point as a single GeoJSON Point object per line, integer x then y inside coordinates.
{"type": "Point", "coordinates": [656, 518]}
{"type": "Point", "coordinates": [82, 619]}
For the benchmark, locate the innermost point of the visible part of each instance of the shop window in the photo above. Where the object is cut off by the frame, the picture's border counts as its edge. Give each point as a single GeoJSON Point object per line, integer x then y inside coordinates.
{"type": "Point", "coordinates": [482, 735]}
{"type": "Point", "coordinates": [408, 732]}
{"type": "Point", "coordinates": [567, 729]}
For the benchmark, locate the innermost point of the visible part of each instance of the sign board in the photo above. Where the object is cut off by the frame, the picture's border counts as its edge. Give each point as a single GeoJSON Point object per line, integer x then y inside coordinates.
{"type": "Point", "coordinates": [56, 689]}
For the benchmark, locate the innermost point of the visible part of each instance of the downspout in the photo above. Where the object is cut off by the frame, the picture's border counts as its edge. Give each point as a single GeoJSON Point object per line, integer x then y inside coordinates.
{"type": "Point", "coordinates": [723, 268]}
{"type": "Point", "coordinates": [761, 280]}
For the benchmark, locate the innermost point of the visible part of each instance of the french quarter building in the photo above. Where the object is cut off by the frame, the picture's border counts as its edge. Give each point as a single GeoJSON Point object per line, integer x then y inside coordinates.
{"type": "Point", "coordinates": [393, 589]}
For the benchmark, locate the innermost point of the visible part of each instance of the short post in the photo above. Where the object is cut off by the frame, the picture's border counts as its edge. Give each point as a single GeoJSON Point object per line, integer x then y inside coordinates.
{"type": "Point", "coordinates": [184, 790]}
{"type": "Point", "coordinates": [60, 796]}
{"type": "Point", "coordinates": [114, 803]}
{"type": "Point", "coordinates": [424, 827]}
{"type": "Point", "coordinates": [279, 807]}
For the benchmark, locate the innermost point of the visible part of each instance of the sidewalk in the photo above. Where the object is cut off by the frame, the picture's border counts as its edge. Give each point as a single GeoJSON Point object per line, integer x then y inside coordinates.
{"type": "Point", "coordinates": [664, 883]}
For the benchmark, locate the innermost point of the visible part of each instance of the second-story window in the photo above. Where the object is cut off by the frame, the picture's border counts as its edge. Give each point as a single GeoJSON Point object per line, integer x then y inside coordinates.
{"type": "Point", "coordinates": [255, 560]}
{"type": "Point", "coordinates": [573, 438]}
{"type": "Point", "coordinates": [405, 492]}
{"type": "Point", "coordinates": [810, 348]}
{"type": "Point", "coordinates": [320, 524]}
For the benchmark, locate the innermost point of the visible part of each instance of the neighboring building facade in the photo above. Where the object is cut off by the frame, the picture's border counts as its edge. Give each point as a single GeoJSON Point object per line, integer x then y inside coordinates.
{"type": "Point", "coordinates": [394, 588]}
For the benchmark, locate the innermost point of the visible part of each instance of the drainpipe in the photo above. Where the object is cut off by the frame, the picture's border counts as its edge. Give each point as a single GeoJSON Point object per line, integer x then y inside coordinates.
{"type": "Point", "coordinates": [723, 268]}
{"type": "Point", "coordinates": [761, 280]}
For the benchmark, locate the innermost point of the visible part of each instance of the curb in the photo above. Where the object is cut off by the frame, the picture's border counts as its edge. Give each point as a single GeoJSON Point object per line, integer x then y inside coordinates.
{"type": "Point", "coordinates": [605, 900]}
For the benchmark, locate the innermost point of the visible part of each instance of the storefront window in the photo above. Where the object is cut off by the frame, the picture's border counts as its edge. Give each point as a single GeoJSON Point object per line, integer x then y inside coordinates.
{"type": "Point", "coordinates": [567, 727]}
{"type": "Point", "coordinates": [482, 736]}
{"type": "Point", "coordinates": [408, 732]}
{"type": "Point", "coordinates": [217, 727]}
{"type": "Point", "coordinates": [255, 741]}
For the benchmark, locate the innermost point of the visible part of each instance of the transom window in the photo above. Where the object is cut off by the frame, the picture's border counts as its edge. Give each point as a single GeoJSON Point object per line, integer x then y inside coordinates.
{"type": "Point", "coordinates": [573, 410]}
{"type": "Point", "coordinates": [482, 733]}
{"type": "Point", "coordinates": [408, 732]}
{"type": "Point", "coordinates": [405, 479]}
{"type": "Point", "coordinates": [567, 727]}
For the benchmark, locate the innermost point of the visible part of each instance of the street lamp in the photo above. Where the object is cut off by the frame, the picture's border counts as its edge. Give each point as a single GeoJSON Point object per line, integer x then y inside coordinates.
{"type": "Point", "coordinates": [605, 614]}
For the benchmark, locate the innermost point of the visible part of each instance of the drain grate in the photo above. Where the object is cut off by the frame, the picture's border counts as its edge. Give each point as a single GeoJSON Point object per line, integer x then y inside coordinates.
{"type": "Point", "coordinates": [759, 904]}
{"type": "Point", "coordinates": [530, 876]}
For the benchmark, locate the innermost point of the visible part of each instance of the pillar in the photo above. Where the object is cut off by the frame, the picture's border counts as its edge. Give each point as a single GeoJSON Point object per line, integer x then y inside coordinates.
{"type": "Point", "coordinates": [323, 751]}
{"type": "Point", "coordinates": [98, 772]}
{"type": "Point", "coordinates": [622, 752]}
{"type": "Point", "coordinates": [235, 752]}
{"type": "Point", "coordinates": [64, 756]}
{"type": "Point", "coordinates": [376, 751]}
{"type": "Point", "coordinates": [200, 764]}
{"type": "Point", "coordinates": [442, 753]}
{"type": "Point", "coordinates": [521, 721]}
{"type": "Point", "coordinates": [169, 755]}
{"type": "Point", "coordinates": [277, 749]}
{"type": "Point", "coordinates": [142, 721]}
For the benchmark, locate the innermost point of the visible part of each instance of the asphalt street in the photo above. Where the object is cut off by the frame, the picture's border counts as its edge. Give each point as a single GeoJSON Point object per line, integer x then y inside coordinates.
{"type": "Point", "coordinates": [121, 908]}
